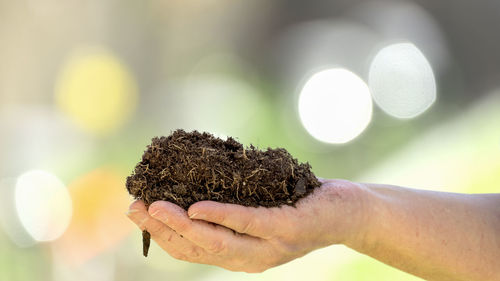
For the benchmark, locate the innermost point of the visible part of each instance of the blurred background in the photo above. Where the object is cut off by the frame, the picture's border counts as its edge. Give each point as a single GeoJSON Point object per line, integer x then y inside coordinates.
{"type": "Point", "coordinates": [397, 92]}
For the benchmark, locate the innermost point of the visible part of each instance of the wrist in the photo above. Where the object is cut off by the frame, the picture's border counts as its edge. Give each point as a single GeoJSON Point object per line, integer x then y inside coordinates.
{"type": "Point", "coordinates": [350, 212]}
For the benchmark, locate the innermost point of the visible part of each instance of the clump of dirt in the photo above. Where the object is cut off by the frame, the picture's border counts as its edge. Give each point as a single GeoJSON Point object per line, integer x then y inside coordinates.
{"type": "Point", "coordinates": [187, 167]}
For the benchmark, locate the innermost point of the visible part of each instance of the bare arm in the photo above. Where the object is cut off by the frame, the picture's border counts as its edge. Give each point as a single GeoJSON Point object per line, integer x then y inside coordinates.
{"type": "Point", "coordinates": [434, 235]}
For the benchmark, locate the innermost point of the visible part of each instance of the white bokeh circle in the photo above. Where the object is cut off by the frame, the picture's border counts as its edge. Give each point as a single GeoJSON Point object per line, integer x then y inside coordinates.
{"type": "Point", "coordinates": [43, 205]}
{"type": "Point", "coordinates": [401, 80]}
{"type": "Point", "coordinates": [335, 105]}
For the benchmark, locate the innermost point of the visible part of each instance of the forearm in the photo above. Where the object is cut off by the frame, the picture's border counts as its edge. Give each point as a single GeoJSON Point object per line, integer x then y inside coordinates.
{"type": "Point", "coordinates": [434, 235]}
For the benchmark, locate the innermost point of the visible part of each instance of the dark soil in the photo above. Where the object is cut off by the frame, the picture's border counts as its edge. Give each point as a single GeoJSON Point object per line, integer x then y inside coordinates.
{"type": "Point", "coordinates": [185, 168]}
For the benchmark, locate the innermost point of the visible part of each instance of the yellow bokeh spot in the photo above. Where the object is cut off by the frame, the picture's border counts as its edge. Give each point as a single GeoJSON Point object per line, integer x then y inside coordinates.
{"type": "Point", "coordinates": [96, 90]}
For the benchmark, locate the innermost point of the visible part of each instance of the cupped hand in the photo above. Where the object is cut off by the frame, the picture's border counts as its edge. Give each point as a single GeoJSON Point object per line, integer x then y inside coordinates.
{"type": "Point", "coordinates": [252, 239]}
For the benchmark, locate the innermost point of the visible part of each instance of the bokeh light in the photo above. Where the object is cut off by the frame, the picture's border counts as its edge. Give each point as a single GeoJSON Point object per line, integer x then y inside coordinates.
{"type": "Point", "coordinates": [335, 105]}
{"type": "Point", "coordinates": [401, 80]}
{"type": "Point", "coordinates": [43, 205]}
{"type": "Point", "coordinates": [9, 220]}
{"type": "Point", "coordinates": [99, 222]}
{"type": "Point", "coordinates": [96, 89]}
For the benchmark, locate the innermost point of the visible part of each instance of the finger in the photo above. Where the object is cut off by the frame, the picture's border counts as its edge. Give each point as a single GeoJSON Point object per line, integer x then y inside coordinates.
{"type": "Point", "coordinates": [135, 211]}
{"type": "Point", "coordinates": [214, 239]}
{"type": "Point", "coordinates": [259, 222]}
{"type": "Point", "coordinates": [164, 236]}
{"type": "Point", "coordinates": [140, 216]}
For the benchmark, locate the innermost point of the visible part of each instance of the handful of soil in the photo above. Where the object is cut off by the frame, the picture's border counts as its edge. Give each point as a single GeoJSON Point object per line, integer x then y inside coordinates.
{"type": "Point", "coordinates": [185, 168]}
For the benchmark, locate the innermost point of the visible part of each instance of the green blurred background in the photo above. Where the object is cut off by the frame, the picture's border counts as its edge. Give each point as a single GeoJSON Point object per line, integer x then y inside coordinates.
{"type": "Point", "coordinates": [397, 92]}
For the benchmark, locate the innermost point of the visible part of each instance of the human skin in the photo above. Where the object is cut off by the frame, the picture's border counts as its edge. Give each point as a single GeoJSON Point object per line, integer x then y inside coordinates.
{"type": "Point", "coordinates": [433, 235]}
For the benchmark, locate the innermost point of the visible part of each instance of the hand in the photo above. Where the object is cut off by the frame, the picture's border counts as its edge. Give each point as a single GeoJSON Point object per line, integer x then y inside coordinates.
{"type": "Point", "coordinates": [252, 239]}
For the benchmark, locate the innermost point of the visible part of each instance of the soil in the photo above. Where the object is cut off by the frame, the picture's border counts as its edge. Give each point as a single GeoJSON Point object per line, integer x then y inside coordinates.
{"type": "Point", "coordinates": [187, 167]}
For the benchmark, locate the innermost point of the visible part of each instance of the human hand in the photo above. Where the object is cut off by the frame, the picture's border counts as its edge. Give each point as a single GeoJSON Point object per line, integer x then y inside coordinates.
{"type": "Point", "coordinates": [252, 239]}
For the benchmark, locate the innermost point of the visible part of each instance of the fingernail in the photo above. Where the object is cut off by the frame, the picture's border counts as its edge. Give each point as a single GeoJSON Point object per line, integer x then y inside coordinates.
{"type": "Point", "coordinates": [192, 215]}
{"type": "Point", "coordinates": [131, 211]}
{"type": "Point", "coordinates": [159, 216]}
